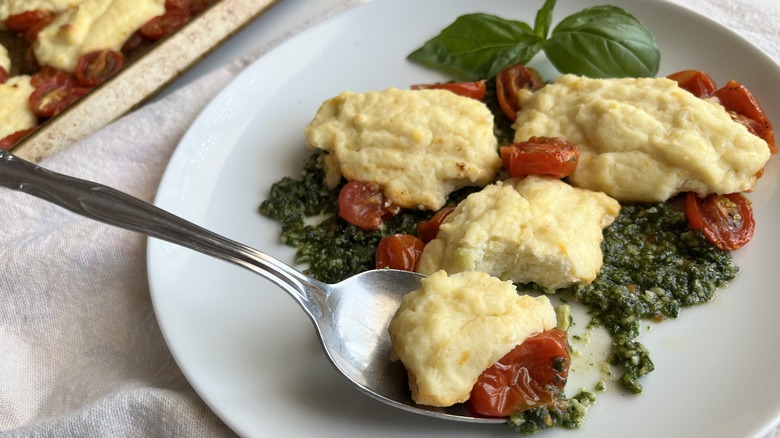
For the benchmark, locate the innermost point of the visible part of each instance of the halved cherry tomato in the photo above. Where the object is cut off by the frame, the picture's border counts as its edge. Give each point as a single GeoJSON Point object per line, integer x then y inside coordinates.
{"type": "Point", "coordinates": [26, 20]}
{"type": "Point", "coordinates": [474, 90]}
{"type": "Point", "coordinates": [530, 375]}
{"type": "Point", "coordinates": [364, 205]}
{"type": "Point", "coordinates": [32, 33]}
{"type": "Point", "coordinates": [737, 98]}
{"type": "Point", "coordinates": [3, 75]}
{"type": "Point", "coordinates": [176, 4]}
{"type": "Point", "coordinates": [95, 67]}
{"type": "Point", "coordinates": [752, 126]}
{"type": "Point", "coordinates": [32, 61]}
{"type": "Point", "coordinates": [53, 96]}
{"type": "Point", "coordinates": [696, 82]}
{"type": "Point", "coordinates": [51, 74]}
{"type": "Point", "coordinates": [133, 41]}
{"type": "Point", "coordinates": [428, 230]}
{"type": "Point", "coordinates": [510, 81]}
{"type": "Point", "coordinates": [552, 156]}
{"type": "Point", "coordinates": [399, 251]}
{"type": "Point", "coordinates": [198, 6]}
{"type": "Point", "coordinates": [11, 140]}
{"type": "Point", "coordinates": [725, 220]}
{"type": "Point", "coordinates": [164, 25]}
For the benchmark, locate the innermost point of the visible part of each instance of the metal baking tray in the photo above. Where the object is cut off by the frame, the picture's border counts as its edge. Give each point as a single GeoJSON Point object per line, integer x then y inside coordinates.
{"type": "Point", "coordinates": [148, 70]}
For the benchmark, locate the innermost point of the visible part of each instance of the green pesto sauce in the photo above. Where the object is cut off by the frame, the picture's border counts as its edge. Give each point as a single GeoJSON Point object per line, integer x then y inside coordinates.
{"type": "Point", "coordinates": [654, 265]}
{"type": "Point", "coordinates": [568, 413]}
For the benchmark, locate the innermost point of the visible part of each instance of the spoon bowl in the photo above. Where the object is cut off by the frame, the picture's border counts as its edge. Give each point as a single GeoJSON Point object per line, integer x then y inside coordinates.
{"type": "Point", "coordinates": [350, 317]}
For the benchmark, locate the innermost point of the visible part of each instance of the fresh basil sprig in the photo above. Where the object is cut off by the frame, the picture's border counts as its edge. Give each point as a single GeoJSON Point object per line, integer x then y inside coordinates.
{"type": "Point", "coordinates": [598, 42]}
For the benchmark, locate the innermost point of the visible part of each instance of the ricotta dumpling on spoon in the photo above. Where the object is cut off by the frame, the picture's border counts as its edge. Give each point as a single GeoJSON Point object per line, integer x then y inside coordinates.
{"type": "Point", "coordinates": [448, 332]}
{"type": "Point", "coordinates": [417, 145]}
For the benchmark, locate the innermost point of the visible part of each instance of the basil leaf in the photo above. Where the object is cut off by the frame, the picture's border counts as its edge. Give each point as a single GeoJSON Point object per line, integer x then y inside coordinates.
{"type": "Point", "coordinates": [477, 46]}
{"type": "Point", "coordinates": [544, 19]}
{"type": "Point", "coordinates": [601, 42]}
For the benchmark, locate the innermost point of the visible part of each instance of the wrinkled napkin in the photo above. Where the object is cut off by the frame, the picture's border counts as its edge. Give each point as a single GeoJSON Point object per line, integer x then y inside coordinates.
{"type": "Point", "coordinates": [81, 353]}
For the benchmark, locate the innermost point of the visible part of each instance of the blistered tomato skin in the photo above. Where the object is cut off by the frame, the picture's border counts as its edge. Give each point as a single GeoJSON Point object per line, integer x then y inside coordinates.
{"type": "Point", "coordinates": [197, 6]}
{"type": "Point", "coordinates": [428, 230]}
{"type": "Point", "coordinates": [11, 140]}
{"type": "Point", "coordinates": [725, 220]}
{"type": "Point", "coordinates": [551, 156]}
{"type": "Point", "coordinates": [399, 251]}
{"type": "Point", "coordinates": [696, 82]}
{"type": "Point", "coordinates": [54, 92]}
{"type": "Point", "coordinates": [475, 90]}
{"type": "Point", "coordinates": [96, 67]}
{"type": "Point", "coordinates": [160, 27]}
{"type": "Point", "coordinates": [364, 205]}
{"type": "Point", "coordinates": [510, 81]}
{"type": "Point", "coordinates": [27, 20]}
{"type": "Point", "coordinates": [736, 98]}
{"type": "Point", "coordinates": [532, 374]}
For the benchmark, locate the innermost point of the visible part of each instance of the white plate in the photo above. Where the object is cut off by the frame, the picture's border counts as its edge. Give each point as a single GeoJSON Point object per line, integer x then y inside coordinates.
{"type": "Point", "coordinates": [251, 353]}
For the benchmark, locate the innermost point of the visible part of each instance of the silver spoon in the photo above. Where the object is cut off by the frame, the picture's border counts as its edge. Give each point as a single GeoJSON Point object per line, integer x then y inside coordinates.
{"type": "Point", "coordinates": [351, 317]}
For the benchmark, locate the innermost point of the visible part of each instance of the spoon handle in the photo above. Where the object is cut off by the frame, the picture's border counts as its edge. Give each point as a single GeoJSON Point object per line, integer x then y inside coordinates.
{"type": "Point", "coordinates": [104, 204]}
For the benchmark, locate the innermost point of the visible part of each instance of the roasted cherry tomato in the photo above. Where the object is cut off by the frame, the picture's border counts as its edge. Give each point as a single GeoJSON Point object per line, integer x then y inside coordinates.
{"type": "Point", "coordinates": [752, 126]}
{"type": "Point", "coordinates": [530, 375]}
{"type": "Point", "coordinates": [32, 33]}
{"type": "Point", "coordinates": [3, 75]}
{"type": "Point", "coordinates": [176, 4]}
{"type": "Point", "coordinates": [53, 96]}
{"type": "Point", "coordinates": [11, 140]}
{"type": "Point", "coordinates": [198, 6]}
{"type": "Point", "coordinates": [736, 98]}
{"type": "Point", "coordinates": [428, 230]}
{"type": "Point", "coordinates": [697, 82]}
{"type": "Point", "coordinates": [132, 42]}
{"type": "Point", "coordinates": [725, 220]}
{"type": "Point", "coordinates": [95, 67]}
{"type": "Point", "coordinates": [399, 251]}
{"type": "Point", "coordinates": [474, 90]}
{"type": "Point", "coordinates": [364, 205]}
{"type": "Point", "coordinates": [510, 81]}
{"type": "Point", "coordinates": [552, 156]}
{"type": "Point", "coordinates": [50, 74]}
{"type": "Point", "coordinates": [164, 25]}
{"type": "Point", "coordinates": [26, 20]}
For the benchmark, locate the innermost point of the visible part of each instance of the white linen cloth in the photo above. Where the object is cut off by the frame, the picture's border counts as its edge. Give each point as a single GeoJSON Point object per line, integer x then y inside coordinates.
{"type": "Point", "coordinates": [81, 353]}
